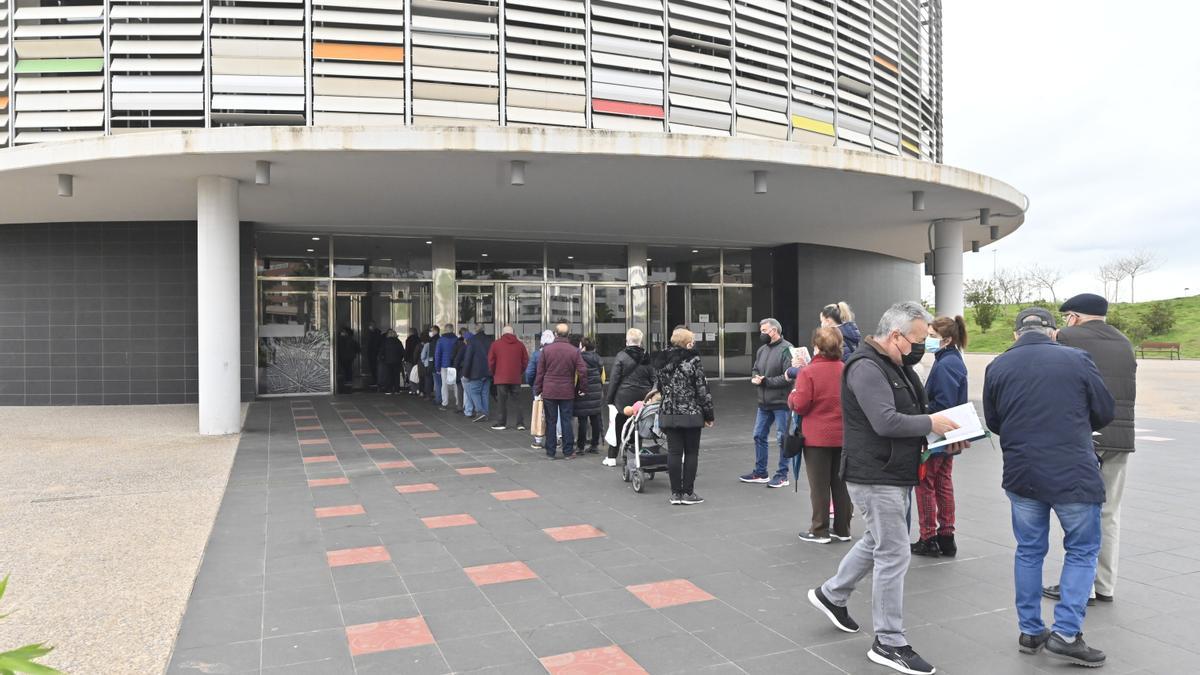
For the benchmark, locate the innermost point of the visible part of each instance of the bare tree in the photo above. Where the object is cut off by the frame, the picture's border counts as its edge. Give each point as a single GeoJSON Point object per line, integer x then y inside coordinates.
{"type": "Point", "coordinates": [1104, 275]}
{"type": "Point", "coordinates": [1134, 264]}
{"type": "Point", "coordinates": [1012, 287]}
{"type": "Point", "coordinates": [1045, 277]}
{"type": "Point", "coordinates": [1112, 272]}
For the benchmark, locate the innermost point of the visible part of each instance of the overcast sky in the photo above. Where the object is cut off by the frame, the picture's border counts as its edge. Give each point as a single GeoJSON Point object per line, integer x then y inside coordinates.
{"type": "Point", "coordinates": [1092, 109]}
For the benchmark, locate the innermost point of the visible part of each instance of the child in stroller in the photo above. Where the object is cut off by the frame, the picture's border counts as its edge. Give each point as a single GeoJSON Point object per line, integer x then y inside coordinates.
{"type": "Point", "coordinates": [643, 444]}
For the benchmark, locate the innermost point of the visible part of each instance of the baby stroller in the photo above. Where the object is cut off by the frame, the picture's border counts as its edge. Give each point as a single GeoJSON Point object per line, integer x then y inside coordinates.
{"type": "Point", "coordinates": [643, 444]}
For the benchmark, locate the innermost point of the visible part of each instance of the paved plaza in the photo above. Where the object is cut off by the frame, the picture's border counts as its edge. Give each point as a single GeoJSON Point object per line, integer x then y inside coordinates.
{"type": "Point", "coordinates": [372, 534]}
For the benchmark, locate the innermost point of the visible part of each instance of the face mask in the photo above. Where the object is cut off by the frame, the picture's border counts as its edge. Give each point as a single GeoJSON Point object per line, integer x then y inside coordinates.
{"type": "Point", "coordinates": [432, 334]}
{"type": "Point", "coordinates": [932, 344]}
{"type": "Point", "coordinates": [913, 357]}
{"type": "Point", "coordinates": [764, 338]}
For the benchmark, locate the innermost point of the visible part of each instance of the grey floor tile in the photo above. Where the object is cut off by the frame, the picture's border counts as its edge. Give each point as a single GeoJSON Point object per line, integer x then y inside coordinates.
{"type": "Point", "coordinates": [424, 660]}
{"type": "Point", "coordinates": [537, 613]}
{"type": "Point", "coordinates": [680, 653]}
{"type": "Point", "coordinates": [224, 620]}
{"type": "Point", "coordinates": [301, 620]}
{"type": "Point", "coordinates": [378, 609]}
{"type": "Point", "coordinates": [305, 647]}
{"type": "Point", "coordinates": [240, 657]}
{"type": "Point", "coordinates": [473, 653]}
{"type": "Point", "coordinates": [449, 625]}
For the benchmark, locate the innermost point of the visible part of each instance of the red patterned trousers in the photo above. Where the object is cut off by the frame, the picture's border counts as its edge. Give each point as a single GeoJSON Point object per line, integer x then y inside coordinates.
{"type": "Point", "coordinates": [935, 497]}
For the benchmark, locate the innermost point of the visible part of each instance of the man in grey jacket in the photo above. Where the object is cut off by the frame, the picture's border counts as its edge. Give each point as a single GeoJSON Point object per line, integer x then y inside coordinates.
{"type": "Point", "coordinates": [769, 376]}
{"type": "Point", "coordinates": [1086, 329]}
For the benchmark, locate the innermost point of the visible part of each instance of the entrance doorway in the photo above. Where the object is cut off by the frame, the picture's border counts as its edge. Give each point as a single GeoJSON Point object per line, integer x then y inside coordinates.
{"type": "Point", "coordinates": [370, 308]}
{"type": "Point", "coordinates": [719, 316]}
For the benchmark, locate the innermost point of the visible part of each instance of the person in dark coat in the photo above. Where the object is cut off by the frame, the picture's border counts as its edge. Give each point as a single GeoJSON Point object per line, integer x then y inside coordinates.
{"type": "Point", "coordinates": [412, 357]}
{"type": "Point", "coordinates": [507, 358]}
{"type": "Point", "coordinates": [631, 379]}
{"type": "Point", "coordinates": [477, 379]}
{"type": "Point", "coordinates": [589, 404]}
{"type": "Point", "coordinates": [347, 352]}
{"type": "Point", "coordinates": [373, 341]}
{"type": "Point", "coordinates": [770, 379]}
{"type": "Point", "coordinates": [456, 362]}
{"type": "Point", "coordinates": [1044, 400]}
{"type": "Point", "coordinates": [840, 316]}
{"type": "Point", "coordinates": [686, 409]}
{"type": "Point", "coordinates": [560, 374]}
{"type": "Point", "coordinates": [392, 356]}
{"type": "Point", "coordinates": [1084, 316]}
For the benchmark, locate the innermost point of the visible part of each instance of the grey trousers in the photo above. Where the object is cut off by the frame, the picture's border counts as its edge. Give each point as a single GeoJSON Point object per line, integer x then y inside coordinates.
{"type": "Point", "coordinates": [1113, 470]}
{"type": "Point", "coordinates": [883, 549]}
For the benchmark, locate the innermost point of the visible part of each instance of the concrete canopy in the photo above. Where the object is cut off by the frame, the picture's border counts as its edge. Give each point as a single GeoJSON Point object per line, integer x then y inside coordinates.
{"type": "Point", "coordinates": [581, 185]}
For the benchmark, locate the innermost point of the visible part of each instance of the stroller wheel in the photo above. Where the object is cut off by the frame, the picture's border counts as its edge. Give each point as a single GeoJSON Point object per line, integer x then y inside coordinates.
{"type": "Point", "coordinates": [625, 468]}
{"type": "Point", "coordinates": [637, 480]}
{"type": "Point", "coordinates": [650, 475]}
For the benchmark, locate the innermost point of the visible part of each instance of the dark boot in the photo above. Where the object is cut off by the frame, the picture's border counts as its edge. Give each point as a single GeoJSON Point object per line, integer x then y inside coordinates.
{"type": "Point", "coordinates": [946, 544]}
{"type": "Point", "coordinates": [927, 547]}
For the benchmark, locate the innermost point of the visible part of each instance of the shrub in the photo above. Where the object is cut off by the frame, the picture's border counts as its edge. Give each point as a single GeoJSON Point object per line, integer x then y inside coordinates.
{"type": "Point", "coordinates": [983, 298]}
{"type": "Point", "coordinates": [1159, 318]}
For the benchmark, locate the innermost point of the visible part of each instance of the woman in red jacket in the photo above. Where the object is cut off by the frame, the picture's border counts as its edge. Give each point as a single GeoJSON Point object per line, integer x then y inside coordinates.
{"type": "Point", "coordinates": [817, 398]}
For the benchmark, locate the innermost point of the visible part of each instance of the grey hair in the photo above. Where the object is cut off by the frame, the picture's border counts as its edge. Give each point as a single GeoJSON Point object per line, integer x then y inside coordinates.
{"type": "Point", "coordinates": [773, 323]}
{"type": "Point", "coordinates": [900, 316]}
{"type": "Point", "coordinates": [633, 337]}
{"type": "Point", "coordinates": [1044, 330]}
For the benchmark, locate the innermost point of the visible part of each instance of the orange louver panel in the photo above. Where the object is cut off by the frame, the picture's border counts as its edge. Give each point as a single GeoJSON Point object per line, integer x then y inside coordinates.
{"type": "Point", "coordinates": [886, 63]}
{"type": "Point", "coordinates": [3, 102]}
{"type": "Point", "coordinates": [353, 52]}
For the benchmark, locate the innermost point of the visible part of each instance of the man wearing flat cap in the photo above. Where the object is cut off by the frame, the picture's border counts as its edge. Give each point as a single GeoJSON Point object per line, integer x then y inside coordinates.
{"type": "Point", "coordinates": [1084, 319]}
{"type": "Point", "coordinates": [1044, 400]}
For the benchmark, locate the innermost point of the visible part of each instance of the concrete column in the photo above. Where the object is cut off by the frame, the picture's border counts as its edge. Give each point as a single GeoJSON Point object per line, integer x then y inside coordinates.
{"type": "Point", "coordinates": [638, 301]}
{"type": "Point", "coordinates": [948, 267]}
{"type": "Point", "coordinates": [218, 304]}
{"type": "Point", "coordinates": [445, 290]}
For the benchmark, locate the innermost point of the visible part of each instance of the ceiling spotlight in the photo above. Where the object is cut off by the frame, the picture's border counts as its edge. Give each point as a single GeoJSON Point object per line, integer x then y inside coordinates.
{"type": "Point", "coordinates": [918, 200]}
{"type": "Point", "coordinates": [262, 172]}
{"type": "Point", "coordinates": [516, 172]}
{"type": "Point", "coordinates": [985, 217]}
{"type": "Point", "coordinates": [760, 182]}
{"type": "Point", "coordinates": [309, 250]}
{"type": "Point", "coordinates": [974, 246]}
{"type": "Point", "coordinates": [428, 243]}
{"type": "Point", "coordinates": [570, 257]}
{"type": "Point", "coordinates": [649, 259]}
{"type": "Point", "coordinates": [66, 185]}
{"type": "Point", "coordinates": [316, 239]}
{"type": "Point", "coordinates": [695, 250]}
{"type": "Point", "coordinates": [995, 232]}
{"type": "Point", "coordinates": [485, 255]}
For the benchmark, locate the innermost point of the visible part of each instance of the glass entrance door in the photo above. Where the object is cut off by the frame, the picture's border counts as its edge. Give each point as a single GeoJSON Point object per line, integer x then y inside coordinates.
{"type": "Point", "coordinates": [294, 347]}
{"type": "Point", "coordinates": [370, 308]}
{"type": "Point", "coordinates": [523, 311]}
{"type": "Point", "coordinates": [477, 304]}
{"type": "Point", "coordinates": [609, 320]}
{"type": "Point", "coordinates": [704, 319]}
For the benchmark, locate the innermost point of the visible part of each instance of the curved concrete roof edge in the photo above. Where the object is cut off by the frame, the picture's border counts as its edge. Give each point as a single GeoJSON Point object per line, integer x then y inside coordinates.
{"type": "Point", "coordinates": [515, 140]}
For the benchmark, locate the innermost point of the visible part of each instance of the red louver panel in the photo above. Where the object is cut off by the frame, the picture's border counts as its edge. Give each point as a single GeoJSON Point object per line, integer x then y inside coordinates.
{"type": "Point", "coordinates": [622, 108]}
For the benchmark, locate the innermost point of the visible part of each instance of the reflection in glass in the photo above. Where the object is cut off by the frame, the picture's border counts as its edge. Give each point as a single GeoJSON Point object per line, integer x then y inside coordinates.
{"type": "Point", "coordinates": [683, 264]}
{"type": "Point", "coordinates": [704, 320]}
{"type": "Point", "coordinates": [611, 321]}
{"type": "Point", "coordinates": [524, 307]}
{"type": "Point", "coordinates": [382, 258]}
{"type": "Point", "coordinates": [741, 332]}
{"type": "Point", "coordinates": [292, 255]}
{"type": "Point", "coordinates": [477, 304]}
{"type": "Point", "coordinates": [516, 260]}
{"type": "Point", "coordinates": [293, 345]}
{"type": "Point", "coordinates": [737, 266]}
{"type": "Point", "coordinates": [587, 262]}
{"type": "Point", "coordinates": [566, 306]}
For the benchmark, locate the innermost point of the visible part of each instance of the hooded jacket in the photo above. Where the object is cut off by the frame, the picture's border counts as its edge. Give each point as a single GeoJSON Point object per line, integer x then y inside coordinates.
{"type": "Point", "coordinates": [591, 399]}
{"type": "Point", "coordinates": [686, 401]}
{"type": "Point", "coordinates": [507, 359]}
{"type": "Point", "coordinates": [1113, 355]}
{"type": "Point", "coordinates": [851, 337]}
{"type": "Point", "coordinates": [631, 378]}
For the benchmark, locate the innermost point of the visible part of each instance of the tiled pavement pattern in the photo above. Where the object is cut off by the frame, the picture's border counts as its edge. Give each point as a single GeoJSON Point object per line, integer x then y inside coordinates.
{"type": "Point", "coordinates": [362, 534]}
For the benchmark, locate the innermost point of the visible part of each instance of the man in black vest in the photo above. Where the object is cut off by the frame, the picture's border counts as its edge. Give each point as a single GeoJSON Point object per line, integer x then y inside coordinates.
{"type": "Point", "coordinates": [884, 428]}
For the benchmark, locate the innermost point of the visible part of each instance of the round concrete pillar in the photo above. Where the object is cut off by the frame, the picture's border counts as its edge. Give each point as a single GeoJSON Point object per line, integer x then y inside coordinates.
{"type": "Point", "coordinates": [217, 301]}
{"type": "Point", "coordinates": [948, 267]}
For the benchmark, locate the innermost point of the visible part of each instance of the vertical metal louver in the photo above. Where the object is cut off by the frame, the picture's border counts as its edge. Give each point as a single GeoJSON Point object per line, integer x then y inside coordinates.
{"type": "Point", "coordinates": [931, 81]}
{"type": "Point", "coordinates": [910, 79]}
{"type": "Point", "coordinates": [58, 50]}
{"type": "Point", "coordinates": [358, 54]}
{"type": "Point", "coordinates": [701, 40]}
{"type": "Point", "coordinates": [455, 62]}
{"type": "Point", "coordinates": [627, 65]}
{"type": "Point", "coordinates": [854, 73]}
{"type": "Point", "coordinates": [545, 62]}
{"type": "Point", "coordinates": [814, 71]}
{"type": "Point", "coordinates": [5, 71]}
{"type": "Point", "coordinates": [156, 64]}
{"type": "Point", "coordinates": [761, 29]}
{"type": "Point", "coordinates": [258, 62]}
{"type": "Point", "coordinates": [885, 57]}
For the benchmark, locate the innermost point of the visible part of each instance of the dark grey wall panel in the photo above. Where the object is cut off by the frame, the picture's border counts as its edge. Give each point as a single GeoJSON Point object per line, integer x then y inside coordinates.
{"type": "Point", "coordinates": [870, 282]}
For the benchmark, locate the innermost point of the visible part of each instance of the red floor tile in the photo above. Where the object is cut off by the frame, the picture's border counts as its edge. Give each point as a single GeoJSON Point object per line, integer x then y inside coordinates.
{"type": "Point", "coordinates": [334, 511]}
{"type": "Point", "coordinates": [378, 446]}
{"type": "Point", "coordinates": [398, 464]}
{"type": "Point", "coordinates": [384, 636]}
{"type": "Point", "coordinates": [476, 471]}
{"type": "Point", "coordinates": [427, 435]}
{"type": "Point", "coordinates": [304, 417]}
{"type": "Point", "coordinates": [323, 482]}
{"type": "Point", "coordinates": [355, 419]}
{"type": "Point", "coordinates": [314, 441]}
{"type": "Point", "coordinates": [514, 495]}
{"type": "Point", "coordinates": [456, 520]}
{"type": "Point", "coordinates": [416, 487]}
{"type": "Point", "coordinates": [500, 573]}
{"type": "Point", "coordinates": [320, 458]}
{"type": "Point", "coordinates": [357, 556]}
{"type": "Point", "coordinates": [573, 532]}
{"type": "Point", "coordinates": [444, 451]}
{"type": "Point", "coordinates": [364, 432]}
{"type": "Point", "coordinates": [669, 593]}
{"type": "Point", "coordinates": [603, 661]}
{"type": "Point", "coordinates": [312, 427]}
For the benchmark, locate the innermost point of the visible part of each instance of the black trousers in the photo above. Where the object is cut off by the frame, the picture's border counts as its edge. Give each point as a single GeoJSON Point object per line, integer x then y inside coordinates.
{"type": "Point", "coordinates": [393, 378]}
{"type": "Point", "coordinates": [582, 436]}
{"type": "Point", "coordinates": [508, 394]}
{"type": "Point", "coordinates": [683, 454]}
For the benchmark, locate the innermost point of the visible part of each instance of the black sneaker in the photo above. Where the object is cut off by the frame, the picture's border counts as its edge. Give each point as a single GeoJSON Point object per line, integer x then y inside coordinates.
{"type": "Point", "coordinates": [1055, 593]}
{"type": "Point", "coordinates": [692, 498]}
{"type": "Point", "coordinates": [676, 498]}
{"type": "Point", "coordinates": [1076, 652]}
{"type": "Point", "coordinates": [927, 547]}
{"type": "Point", "coordinates": [1104, 598]}
{"type": "Point", "coordinates": [837, 615]}
{"type": "Point", "coordinates": [1032, 644]}
{"type": "Point", "coordinates": [903, 659]}
{"type": "Point", "coordinates": [946, 544]}
{"type": "Point", "coordinates": [814, 538]}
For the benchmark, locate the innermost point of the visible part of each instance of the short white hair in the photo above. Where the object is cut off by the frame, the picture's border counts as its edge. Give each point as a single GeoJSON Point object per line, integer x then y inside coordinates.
{"type": "Point", "coordinates": [507, 330]}
{"type": "Point", "coordinates": [900, 317]}
{"type": "Point", "coordinates": [773, 323]}
{"type": "Point", "coordinates": [634, 337]}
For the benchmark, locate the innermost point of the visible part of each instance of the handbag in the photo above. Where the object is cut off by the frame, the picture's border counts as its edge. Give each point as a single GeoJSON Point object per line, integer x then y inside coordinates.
{"type": "Point", "coordinates": [793, 443]}
{"type": "Point", "coordinates": [537, 418]}
{"type": "Point", "coordinates": [414, 375]}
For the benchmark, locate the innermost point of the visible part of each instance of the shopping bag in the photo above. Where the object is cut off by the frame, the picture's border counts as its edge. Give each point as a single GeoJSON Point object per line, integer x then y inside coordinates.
{"type": "Point", "coordinates": [414, 375]}
{"type": "Point", "coordinates": [450, 375]}
{"type": "Point", "coordinates": [610, 436]}
{"type": "Point", "coordinates": [537, 418]}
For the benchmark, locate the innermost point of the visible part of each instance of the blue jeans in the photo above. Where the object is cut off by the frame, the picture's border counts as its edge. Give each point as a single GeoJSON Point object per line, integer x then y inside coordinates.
{"type": "Point", "coordinates": [1031, 527]}
{"type": "Point", "coordinates": [559, 413]}
{"type": "Point", "coordinates": [437, 386]}
{"type": "Point", "coordinates": [467, 403]}
{"type": "Point", "coordinates": [478, 394]}
{"type": "Point", "coordinates": [762, 427]}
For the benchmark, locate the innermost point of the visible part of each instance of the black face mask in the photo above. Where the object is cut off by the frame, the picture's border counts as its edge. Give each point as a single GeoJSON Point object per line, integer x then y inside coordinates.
{"type": "Point", "coordinates": [764, 338]}
{"type": "Point", "coordinates": [914, 357]}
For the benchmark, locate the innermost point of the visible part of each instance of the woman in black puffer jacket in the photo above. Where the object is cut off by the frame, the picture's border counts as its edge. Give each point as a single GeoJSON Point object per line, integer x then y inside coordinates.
{"type": "Point", "coordinates": [589, 402]}
{"type": "Point", "coordinates": [629, 382]}
{"type": "Point", "coordinates": [687, 407]}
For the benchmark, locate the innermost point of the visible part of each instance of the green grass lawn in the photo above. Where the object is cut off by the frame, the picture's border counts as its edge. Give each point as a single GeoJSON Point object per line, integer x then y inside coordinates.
{"type": "Point", "coordinates": [1186, 331]}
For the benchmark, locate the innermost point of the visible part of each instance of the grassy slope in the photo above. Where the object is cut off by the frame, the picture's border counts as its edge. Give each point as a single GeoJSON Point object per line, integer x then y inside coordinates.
{"type": "Point", "coordinates": [1186, 331]}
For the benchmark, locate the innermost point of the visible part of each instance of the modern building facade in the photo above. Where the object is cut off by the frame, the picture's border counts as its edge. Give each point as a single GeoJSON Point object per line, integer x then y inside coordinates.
{"type": "Point", "coordinates": [195, 195]}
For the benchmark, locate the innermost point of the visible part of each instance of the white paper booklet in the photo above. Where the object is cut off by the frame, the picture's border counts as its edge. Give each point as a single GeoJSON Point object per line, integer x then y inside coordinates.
{"type": "Point", "coordinates": [970, 428]}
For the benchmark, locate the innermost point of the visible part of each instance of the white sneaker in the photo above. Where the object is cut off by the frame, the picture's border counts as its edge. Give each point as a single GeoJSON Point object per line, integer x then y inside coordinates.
{"type": "Point", "coordinates": [609, 461]}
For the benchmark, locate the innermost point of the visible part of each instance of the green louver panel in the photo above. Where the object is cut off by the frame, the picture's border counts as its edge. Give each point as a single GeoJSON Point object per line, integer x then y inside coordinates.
{"type": "Point", "coordinates": [60, 66]}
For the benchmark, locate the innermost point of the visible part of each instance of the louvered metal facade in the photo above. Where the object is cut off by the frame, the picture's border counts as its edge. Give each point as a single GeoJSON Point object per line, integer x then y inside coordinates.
{"type": "Point", "coordinates": [864, 74]}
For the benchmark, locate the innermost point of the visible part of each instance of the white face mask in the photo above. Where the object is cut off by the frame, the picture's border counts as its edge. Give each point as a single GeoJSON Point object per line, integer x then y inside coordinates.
{"type": "Point", "coordinates": [432, 334]}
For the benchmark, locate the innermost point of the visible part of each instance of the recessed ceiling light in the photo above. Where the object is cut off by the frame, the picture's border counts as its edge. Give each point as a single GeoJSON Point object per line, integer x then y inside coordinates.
{"type": "Point", "coordinates": [309, 250]}
{"type": "Point", "coordinates": [570, 257]}
{"type": "Point", "coordinates": [485, 255]}
{"type": "Point", "coordinates": [316, 239]}
{"type": "Point", "coordinates": [695, 250]}
{"type": "Point", "coordinates": [649, 259]}
{"type": "Point", "coordinates": [428, 242]}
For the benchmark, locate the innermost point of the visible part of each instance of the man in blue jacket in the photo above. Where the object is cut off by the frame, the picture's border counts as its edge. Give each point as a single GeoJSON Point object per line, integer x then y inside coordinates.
{"type": "Point", "coordinates": [442, 363]}
{"type": "Point", "coordinates": [1044, 400]}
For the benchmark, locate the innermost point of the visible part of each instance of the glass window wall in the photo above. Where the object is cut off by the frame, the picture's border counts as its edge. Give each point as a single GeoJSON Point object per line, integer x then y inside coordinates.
{"type": "Point", "coordinates": [499, 260]}
{"type": "Point", "coordinates": [293, 337]}
{"type": "Point", "coordinates": [292, 255]}
{"type": "Point", "coordinates": [587, 262]}
{"type": "Point", "coordinates": [684, 264]}
{"type": "Point", "coordinates": [382, 258]}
